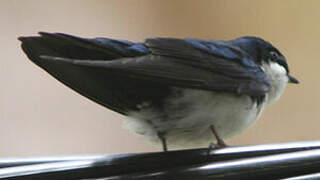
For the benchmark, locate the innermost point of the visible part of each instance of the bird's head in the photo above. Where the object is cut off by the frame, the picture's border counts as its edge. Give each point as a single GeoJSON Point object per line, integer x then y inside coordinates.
{"type": "Point", "coordinates": [266, 55]}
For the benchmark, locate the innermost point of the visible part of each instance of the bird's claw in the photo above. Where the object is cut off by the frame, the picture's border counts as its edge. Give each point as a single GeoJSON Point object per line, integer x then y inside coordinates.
{"type": "Point", "coordinates": [213, 146]}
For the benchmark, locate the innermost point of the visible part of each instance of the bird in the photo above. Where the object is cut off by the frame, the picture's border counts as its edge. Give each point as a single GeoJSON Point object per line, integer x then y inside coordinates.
{"type": "Point", "coordinates": [175, 92]}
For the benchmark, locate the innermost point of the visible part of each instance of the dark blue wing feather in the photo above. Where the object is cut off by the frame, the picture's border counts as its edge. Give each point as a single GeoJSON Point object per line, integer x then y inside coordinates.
{"type": "Point", "coordinates": [242, 50]}
{"type": "Point", "coordinates": [123, 47]}
{"type": "Point", "coordinates": [224, 49]}
{"type": "Point", "coordinates": [222, 58]}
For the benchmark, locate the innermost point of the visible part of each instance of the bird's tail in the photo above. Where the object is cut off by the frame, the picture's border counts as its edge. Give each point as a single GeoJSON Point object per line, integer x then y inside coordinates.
{"type": "Point", "coordinates": [91, 82]}
{"type": "Point", "coordinates": [67, 46]}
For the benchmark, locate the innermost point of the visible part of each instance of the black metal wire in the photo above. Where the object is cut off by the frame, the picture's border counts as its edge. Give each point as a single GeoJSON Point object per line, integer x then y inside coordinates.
{"type": "Point", "coordinates": [270, 161]}
{"type": "Point", "coordinates": [314, 176]}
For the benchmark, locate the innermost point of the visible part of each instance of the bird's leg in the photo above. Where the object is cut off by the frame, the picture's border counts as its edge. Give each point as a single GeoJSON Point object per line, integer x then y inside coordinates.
{"type": "Point", "coordinates": [163, 141]}
{"type": "Point", "coordinates": [220, 142]}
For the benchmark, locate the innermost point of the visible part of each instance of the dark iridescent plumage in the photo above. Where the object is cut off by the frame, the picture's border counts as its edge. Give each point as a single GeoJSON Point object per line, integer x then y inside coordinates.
{"type": "Point", "coordinates": [121, 74]}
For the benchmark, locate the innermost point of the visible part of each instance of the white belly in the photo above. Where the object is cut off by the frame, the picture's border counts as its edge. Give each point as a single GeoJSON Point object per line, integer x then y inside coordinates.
{"type": "Point", "coordinates": [189, 114]}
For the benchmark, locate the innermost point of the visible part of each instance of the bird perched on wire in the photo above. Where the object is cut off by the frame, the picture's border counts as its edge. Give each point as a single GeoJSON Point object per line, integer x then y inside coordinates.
{"type": "Point", "coordinates": [178, 92]}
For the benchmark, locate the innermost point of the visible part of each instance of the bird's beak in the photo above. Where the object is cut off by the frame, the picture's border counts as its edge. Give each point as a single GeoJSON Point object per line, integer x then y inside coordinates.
{"type": "Point", "coordinates": [292, 79]}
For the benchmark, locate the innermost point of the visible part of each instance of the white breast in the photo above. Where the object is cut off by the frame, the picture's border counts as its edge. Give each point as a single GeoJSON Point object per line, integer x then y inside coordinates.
{"type": "Point", "coordinates": [278, 78]}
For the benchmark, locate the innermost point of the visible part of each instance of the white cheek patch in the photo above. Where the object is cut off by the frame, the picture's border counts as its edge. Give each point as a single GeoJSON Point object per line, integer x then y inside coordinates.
{"type": "Point", "coordinates": [277, 70]}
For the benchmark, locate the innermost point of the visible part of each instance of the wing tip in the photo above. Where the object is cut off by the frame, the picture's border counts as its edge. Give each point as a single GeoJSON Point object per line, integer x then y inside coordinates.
{"type": "Point", "coordinates": [22, 38]}
{"type": "Point", "coordinates": [41, 34]}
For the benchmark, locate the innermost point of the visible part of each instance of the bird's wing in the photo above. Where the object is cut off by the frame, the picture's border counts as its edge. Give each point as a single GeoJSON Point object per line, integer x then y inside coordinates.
{"type": "Point", "coordinates": [120, 74]}
{"type": "Point", "coordinates": [231, 69]}
{"type": "Point", "coordinates": [189, 63]}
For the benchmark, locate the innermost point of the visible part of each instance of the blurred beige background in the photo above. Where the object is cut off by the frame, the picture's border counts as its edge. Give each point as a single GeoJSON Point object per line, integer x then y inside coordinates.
{"type": "Point", "coordinates": [40, 116]}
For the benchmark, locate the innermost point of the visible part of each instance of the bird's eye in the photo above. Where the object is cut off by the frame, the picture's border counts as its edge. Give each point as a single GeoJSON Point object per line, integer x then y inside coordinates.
{"type": "Point", "coordinates": [274, 55]}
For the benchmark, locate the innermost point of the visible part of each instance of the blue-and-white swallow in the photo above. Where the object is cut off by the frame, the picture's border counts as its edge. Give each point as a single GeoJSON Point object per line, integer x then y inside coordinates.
{"type": "Point", "coordinates": [177, 92]}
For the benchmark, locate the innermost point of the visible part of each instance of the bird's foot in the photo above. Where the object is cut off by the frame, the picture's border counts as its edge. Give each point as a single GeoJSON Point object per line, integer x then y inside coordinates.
{"type": "Point", "coordinates": [213, 146]}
